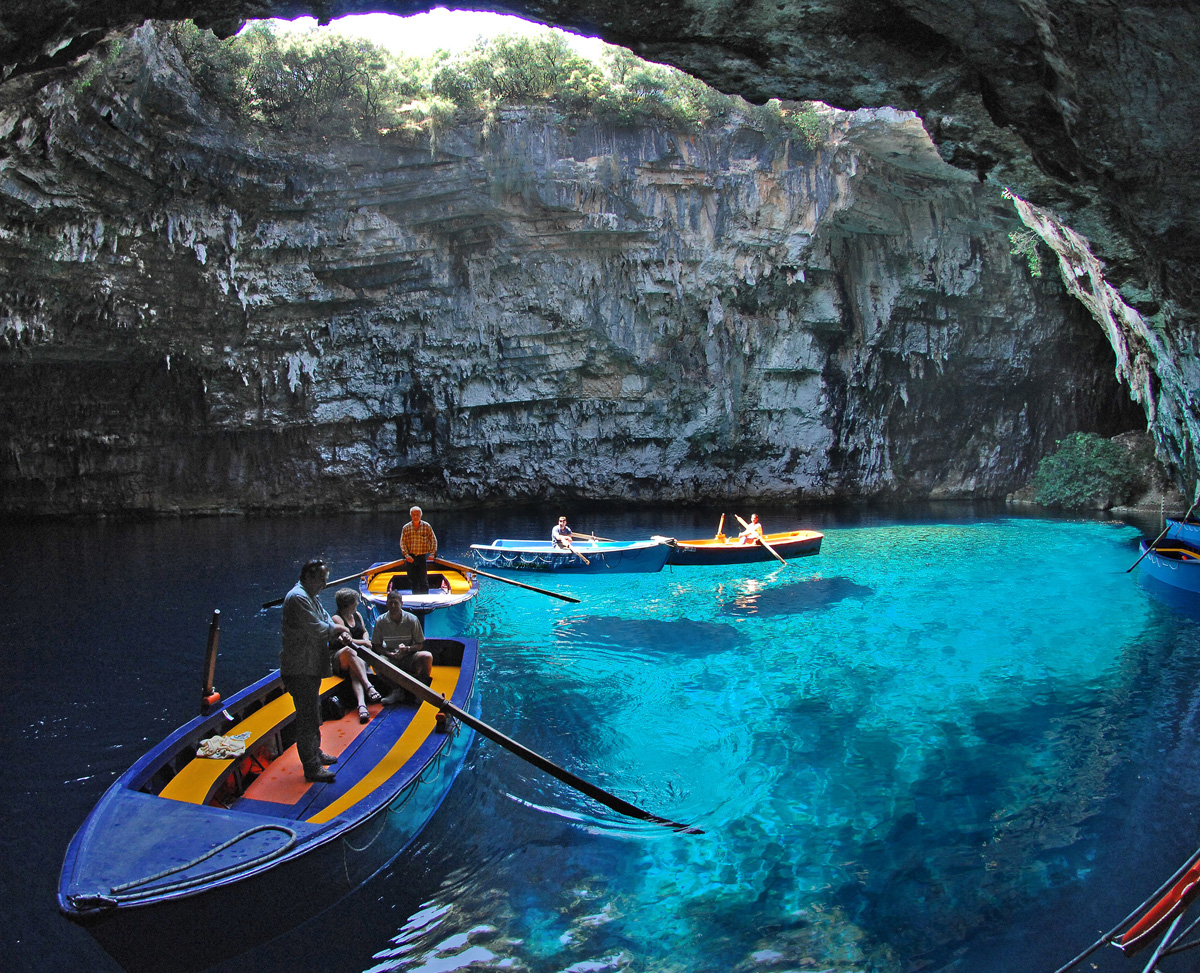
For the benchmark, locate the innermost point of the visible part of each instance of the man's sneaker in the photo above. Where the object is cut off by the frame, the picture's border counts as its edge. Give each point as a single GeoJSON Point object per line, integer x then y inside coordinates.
{"type": "Point", "coordinates": [321, 776]}
{"type": "Point", "coordinates": [328, 758]}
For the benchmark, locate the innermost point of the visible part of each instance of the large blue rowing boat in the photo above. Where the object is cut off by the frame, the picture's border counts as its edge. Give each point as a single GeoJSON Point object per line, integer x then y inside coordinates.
{"type": "Point", "coordinates": [188, 860]}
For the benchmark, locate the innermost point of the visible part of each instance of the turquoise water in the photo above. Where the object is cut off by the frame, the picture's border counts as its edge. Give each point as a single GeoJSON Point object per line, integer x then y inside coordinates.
{"type": "Point", "coordinates": [880, 744]}
{"type": "Point", "coordinates": [923, 741]}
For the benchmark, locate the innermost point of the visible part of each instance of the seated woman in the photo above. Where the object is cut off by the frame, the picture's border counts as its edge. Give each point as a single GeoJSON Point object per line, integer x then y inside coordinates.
{"type": "Point", "coordinates": [346, 661]}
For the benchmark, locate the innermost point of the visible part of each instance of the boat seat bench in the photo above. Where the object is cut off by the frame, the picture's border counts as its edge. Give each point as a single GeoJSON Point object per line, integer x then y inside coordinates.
{"type": "Point", "coordinates": [199, 778]}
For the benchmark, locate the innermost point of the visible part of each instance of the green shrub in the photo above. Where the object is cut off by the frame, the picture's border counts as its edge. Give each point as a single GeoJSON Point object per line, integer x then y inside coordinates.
{"type": "Point", "coordinates": [1086, 471]}
{"type": "Point", "coordinates": [328, 85]}
{"type": "Point", "coordinates": [1026, 243]}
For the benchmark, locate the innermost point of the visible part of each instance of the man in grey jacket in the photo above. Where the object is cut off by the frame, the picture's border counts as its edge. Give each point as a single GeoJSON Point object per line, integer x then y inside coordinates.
{"type": "Point", "coordinates": [308, 631]}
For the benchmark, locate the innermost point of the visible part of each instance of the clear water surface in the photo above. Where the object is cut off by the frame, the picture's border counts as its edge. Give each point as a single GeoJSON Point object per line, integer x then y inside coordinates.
{"type": "Point", "coordinates": [950, 741]}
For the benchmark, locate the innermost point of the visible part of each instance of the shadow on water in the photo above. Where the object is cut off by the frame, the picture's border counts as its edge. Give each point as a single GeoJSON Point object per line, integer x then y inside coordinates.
{"type": "Point", "coordinates": [675, 638]}
{"type": "Point", "coordinates": [793, 599]}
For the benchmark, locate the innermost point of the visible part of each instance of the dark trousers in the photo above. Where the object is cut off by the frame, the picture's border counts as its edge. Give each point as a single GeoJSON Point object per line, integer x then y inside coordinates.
{"type": "Point", "coordinates": [418, 574]}
{"type": "Point", "coordinates": [306, 694]}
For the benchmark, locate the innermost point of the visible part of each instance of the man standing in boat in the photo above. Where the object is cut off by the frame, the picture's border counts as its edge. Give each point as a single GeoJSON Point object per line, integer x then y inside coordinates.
{"type": "Point", "coordinates": [418, 543]}
{"type": "Point", "coordinates": [307, 632]}
{"type": "Point", "coordinates": [398, 636]}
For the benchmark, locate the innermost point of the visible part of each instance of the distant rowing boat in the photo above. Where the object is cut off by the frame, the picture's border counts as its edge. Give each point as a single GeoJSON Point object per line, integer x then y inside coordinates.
{"type": "Point", "coordinates": [592, 557]}
{"type": "Point", "coordinates": [732, 550]}
{"type": "Point", "coordinates": [446, 610]}
{"type": "Point", "coordinates": [186, 860]}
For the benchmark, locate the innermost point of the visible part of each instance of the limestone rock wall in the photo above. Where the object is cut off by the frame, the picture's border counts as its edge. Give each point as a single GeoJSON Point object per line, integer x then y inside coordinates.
{"type": "Point", "coordinates": [195, 316]}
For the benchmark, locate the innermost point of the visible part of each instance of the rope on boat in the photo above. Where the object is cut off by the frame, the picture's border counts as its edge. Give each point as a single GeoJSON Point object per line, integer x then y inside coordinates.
{"type": "Point", "coordinates": [435, 763]}
{"type": "Point", "coordinates": [118, 890]}
{"type": "Point", "coordinates": [1109, 936]}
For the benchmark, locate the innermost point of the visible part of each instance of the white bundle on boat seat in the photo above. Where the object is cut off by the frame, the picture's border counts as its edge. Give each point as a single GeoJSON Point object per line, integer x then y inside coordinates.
{"type": "Point", "coordinates": [223, 748]}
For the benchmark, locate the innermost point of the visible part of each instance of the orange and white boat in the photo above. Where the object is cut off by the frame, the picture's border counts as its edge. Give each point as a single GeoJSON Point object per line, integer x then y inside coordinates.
{"type": "Point", "coordinates": [739, 550]}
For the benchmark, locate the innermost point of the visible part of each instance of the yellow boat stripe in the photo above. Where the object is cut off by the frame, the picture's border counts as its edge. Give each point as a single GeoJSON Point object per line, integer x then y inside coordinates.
{"type": "Point", "coordinates": [459, 585]}
{"type": "Point", "coordinates": [196, 780]}
{"type": "Point", "coordinates": [445, 678]}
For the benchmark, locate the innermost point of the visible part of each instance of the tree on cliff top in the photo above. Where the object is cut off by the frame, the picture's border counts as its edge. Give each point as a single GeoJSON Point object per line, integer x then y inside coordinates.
{"type": "Point", "coordinates": [326, 84]}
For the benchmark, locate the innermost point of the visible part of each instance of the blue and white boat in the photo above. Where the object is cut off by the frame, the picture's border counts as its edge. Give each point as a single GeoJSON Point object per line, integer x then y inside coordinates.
{"type": "Point", "coordinates": [587, 557]}
{"type": "Point", "coordinates": [445, 610]}
{"type": "Point", "coordinates": [1173, 561]}
{"type": "Point", "coordinates": [1184, 530]}
{"type": "Point", "coordinates": [189, 860]}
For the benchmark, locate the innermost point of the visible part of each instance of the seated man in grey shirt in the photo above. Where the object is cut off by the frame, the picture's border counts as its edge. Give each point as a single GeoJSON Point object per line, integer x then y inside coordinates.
{"type": "Point", "coordinates": [398, 636]}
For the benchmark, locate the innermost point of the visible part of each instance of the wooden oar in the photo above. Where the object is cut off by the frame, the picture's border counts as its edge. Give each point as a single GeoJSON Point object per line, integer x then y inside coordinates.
{"type": "Point", "coordinates": [389, 670]}
{"type": "Point", "coordinates": [1195, 500]}
{"type": "Point", "coordinates": [209, 697]}
{"type": "Point", "coordinates": [593, 537]}
{"type": "Point", "coordinates": [349, 577]}
{"type": "Point", "coordinates": [496, 577]}
{"type": "Point", "coordinates": [763, 541]}
{"type": "Point", "coordinates": [720, 528]}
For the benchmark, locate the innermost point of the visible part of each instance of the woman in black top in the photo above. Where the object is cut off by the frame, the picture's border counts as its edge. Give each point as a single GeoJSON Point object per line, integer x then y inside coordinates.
{"type": "Point", "coordinates": [346, 661]}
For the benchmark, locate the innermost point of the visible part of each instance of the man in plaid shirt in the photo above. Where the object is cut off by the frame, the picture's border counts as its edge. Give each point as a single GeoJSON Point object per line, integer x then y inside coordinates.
{"type": "Point", "coordinates": [418, 543]}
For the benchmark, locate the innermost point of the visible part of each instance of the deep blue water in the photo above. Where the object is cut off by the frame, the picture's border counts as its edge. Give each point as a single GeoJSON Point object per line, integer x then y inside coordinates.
{"type": "Point", "coordinates": [954, 740]}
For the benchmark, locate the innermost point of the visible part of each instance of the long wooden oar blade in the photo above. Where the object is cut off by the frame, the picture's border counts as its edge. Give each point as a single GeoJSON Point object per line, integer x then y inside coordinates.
{"type": "Point", "coordinates": [349, 577]}
{"type": "Point", "coordinates": [496, 577]}
{"type": "Point", "coordinates": [391, 671]}
{"type": "Point", "coordinates": [763, 542]}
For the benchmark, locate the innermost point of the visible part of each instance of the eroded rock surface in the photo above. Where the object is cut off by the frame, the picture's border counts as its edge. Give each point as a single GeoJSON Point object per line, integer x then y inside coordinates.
{"type": "Point", "coordinates": [195, 316]}
{"type": "Point", "coordinates": [1086, 110]}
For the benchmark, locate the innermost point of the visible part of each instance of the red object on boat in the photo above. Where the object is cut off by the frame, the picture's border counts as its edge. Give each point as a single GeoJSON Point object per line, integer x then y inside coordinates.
{"type": "Point", "coordinates": [1177, 898]}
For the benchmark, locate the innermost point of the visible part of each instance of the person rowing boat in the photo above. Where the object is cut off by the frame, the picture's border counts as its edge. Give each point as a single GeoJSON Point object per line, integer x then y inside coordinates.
{"type": "Point", "coordinates": [753, 534]}
{"type": "Point", "coordinates": [561, 537]}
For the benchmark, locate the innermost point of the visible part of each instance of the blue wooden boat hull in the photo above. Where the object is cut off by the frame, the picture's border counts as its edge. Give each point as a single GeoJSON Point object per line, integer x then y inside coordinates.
{"type": "Point", "coordinates": [1173, 562]}
{"type": "Point", "coordinates": [641, 557]}
{"type": "Point", "coordinates": [274, 867]}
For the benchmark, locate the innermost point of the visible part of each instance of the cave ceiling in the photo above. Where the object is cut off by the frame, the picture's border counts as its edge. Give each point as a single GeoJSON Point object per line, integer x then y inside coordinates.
{"type": "Point", "coordinates": [1086, 109]}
